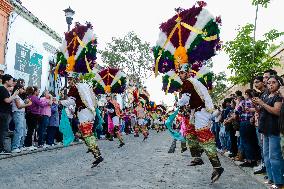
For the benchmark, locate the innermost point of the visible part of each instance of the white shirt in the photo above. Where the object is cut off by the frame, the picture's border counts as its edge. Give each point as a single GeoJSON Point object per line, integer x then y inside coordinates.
{"type": "Point", "coordinates": [14, 106]}
{"type": "Point", "coordinates": [217, 115]}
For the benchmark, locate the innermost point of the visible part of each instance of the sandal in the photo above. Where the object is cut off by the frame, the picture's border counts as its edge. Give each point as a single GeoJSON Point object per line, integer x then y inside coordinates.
{"type": "Point", "coordinates": [196, 161]}
{"type": "Point", "coordinates": [216, 174]}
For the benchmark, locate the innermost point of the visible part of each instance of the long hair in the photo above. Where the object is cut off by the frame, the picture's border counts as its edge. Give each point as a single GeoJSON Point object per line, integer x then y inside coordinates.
{"type": "Point", "coordinates": [17, 87]}
{"type": "Point", "coordinates": [31, 90]}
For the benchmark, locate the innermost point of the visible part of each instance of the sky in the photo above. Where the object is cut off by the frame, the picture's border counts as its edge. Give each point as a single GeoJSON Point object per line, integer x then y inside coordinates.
{"type": "Point", "coordinates": [115, 18]}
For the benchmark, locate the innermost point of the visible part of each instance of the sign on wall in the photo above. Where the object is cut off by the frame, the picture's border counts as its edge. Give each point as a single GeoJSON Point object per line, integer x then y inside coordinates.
{"type": "Point", "coordinates": [29, 62]}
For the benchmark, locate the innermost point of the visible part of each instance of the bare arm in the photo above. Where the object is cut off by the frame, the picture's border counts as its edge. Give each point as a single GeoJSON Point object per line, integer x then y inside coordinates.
{"type": "Point", "coordinates": [20, 106]}
{"type": "Point", "coordinates": [273, 110]}
{"type": "Point", "coordinates": [12, 97]}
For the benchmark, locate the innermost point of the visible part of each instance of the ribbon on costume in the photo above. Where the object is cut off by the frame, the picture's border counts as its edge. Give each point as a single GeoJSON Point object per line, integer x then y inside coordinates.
{"type": "Point", "coordinates": [71, 59]}
{"type": "Point", "coordinates": [198, 31]}
{"type": "Point", "coordinates": [169, 122]}
{"type": "Point", "coordinates": [65, 129]}
{"type": "Point", "coordinates": [161, 51]}
{"type": "Point", "coordinates": [56, 70]}
{"type": "Point", "coordinates": [187, 26]}
{"type": "Point", "coordinates": [170, 81]}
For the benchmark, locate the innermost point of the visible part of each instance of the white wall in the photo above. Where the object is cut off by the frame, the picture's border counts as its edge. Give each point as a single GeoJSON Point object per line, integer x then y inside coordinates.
{"type": "Point", "coordinates": [25, 33]}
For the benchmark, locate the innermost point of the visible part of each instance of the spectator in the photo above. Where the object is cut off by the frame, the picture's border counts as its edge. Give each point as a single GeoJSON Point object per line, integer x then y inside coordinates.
{"type": "Point", "coordinates": [247, 130]}
{"type": "Point", "coordinates": [222, 132]}
{"type": "Point", "coordinates": [216, 126]}
{"type": "Point", "coordinates": [281, 120]}
{"type": "Point", "coordinates": [228, 127]}
{"type": "Point", "coordinates": [239, 94]}
{"type": "Point", "coordinates": [269, 115]}
{"type": "Point", "coordinates": [45, 112]}
{"type": "Point", "coordinates": [260, 86]}
{"type": "Point", "coordinates": [5, 109]}
{"type": "Point", "coordinates": [232, 131]}
{"type": "Point", "coordinates": [267, 74]}
{"type": "Point", "coordinates": [18, 108]}
{"type": "Point", "coordinates": [53, 123]}
{"type": "Point", "coordinates": [33, 115]}
{"type": "Point", "coordinates": [21, 81]}
{"type": "Point", "coordinates": [1, 71]}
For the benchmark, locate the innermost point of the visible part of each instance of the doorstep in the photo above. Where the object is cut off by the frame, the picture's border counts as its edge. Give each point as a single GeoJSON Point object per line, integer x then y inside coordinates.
{"type": "Point", "coordinates": [38, 150]}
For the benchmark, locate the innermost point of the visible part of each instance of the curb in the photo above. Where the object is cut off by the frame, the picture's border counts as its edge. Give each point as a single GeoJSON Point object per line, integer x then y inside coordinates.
{"type": "Point", "coordinates": [249, 172]}
{"type": "Point", "coordinates": [38, 150]}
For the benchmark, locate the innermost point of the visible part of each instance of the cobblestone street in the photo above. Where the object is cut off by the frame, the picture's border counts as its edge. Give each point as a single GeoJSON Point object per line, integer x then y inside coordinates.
{"type": "Point", "coordinates": [137, 165]}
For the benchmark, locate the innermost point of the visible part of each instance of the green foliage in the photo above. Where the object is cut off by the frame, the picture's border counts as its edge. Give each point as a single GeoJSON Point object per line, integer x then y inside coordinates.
{"type": "Point", "coordinates": [263, 3]}
{"type": "Point", "coordinates": [219, 87]}
{"type": "Point", "coordinates": [130, 54]}
{"type": "Point", "coordinates": [250, 58]}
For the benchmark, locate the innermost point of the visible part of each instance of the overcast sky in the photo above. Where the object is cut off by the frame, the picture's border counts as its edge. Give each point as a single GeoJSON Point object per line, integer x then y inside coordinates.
{"type": "Point", "coordinates": [114, 18]}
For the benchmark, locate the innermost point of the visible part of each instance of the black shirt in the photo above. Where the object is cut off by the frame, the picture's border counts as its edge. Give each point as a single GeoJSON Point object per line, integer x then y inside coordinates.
{"type": "Point", "coordinates": [4, 107]}
{"type": "Point", "coordinates": [268, 123]}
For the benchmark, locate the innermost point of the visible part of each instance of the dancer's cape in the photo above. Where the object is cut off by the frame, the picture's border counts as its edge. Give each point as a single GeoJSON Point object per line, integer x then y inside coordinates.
{"type": "Point", "coordinates": [169, 122]}
{"type": "Point", "coordinates": [65, 129]}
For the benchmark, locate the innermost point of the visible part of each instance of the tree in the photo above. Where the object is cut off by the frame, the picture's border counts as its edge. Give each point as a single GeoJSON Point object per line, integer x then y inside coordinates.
{"type": "Point", "coordinates": [130, 54]}
{"type": "Point", "coordinates": [263, 3]}
{"type": "Point", "coordinates": [219, 87]}
{"type": "Point", "coordinates": [250, 58]}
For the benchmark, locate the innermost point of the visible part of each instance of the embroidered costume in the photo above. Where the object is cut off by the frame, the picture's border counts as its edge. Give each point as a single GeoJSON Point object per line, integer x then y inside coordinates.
{"type": "Point", "coordinates": [186, 42]}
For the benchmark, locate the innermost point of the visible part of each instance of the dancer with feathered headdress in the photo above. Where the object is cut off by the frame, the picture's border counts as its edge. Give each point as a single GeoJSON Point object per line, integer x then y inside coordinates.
{"type": "Point", "coordinates": [186, 42]}
{"type": "Point", "coordinates": [77, 57]}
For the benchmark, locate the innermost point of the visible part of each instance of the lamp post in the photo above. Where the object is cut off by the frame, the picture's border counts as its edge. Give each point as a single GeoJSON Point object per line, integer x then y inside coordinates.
{"type": "Point", "coordinates": [69, 13]}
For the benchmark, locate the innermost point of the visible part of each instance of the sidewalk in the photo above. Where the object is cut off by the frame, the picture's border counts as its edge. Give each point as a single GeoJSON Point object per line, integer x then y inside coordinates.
{"type": "Point", "coordinates": [249, 171]}
{"type": "Point", "coordinates": [38, 150]}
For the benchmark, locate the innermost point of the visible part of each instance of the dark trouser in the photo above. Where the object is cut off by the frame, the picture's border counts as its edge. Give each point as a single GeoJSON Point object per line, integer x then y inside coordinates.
{"type": "Point", "coordinates": [234, 142]}
{"type": "Point", "coordinates": [32, 124]}
{"type": "Point", "coordinates": [58, 136]}
{"type": "Point", "coordinates": [127, 127]}
{"type": "Point", "coordinates": [248, 138]}
{"type": "Point", "coordinates": [5, 119]}
{"type": "Point", "coordinates": [42, 130]}
{"type": "Point", "coordinates": [74, 124]}
{"type": "Point", "coordinates": [51, 131]}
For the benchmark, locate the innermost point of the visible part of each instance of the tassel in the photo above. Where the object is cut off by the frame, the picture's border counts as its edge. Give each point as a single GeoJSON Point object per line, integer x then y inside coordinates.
{"type": "Point", "coordinates": [70, 63]}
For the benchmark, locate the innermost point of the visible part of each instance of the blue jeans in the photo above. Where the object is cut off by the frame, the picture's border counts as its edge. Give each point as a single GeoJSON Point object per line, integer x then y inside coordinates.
{"type": "Point", "coordinates": [20, 129]}
{"type": "Point", "coordinates": [215, 130]}
{"type": "Point", "coordinates": [222, 137]}
{"type": "Point", "coordinates": [42, 130]}
{"type": "Point", "coordinates": [273, 159]}
{"type": "Point", "coordinates": [51, 131]}
{"type": "Point", "coordinates": [260, 143]}
{"type": "Point", "coordinates": [228, 140]}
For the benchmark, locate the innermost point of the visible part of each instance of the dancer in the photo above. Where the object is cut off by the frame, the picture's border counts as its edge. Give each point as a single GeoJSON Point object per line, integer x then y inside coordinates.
{"type": "Point", "coordinates": [196, 99]}
{"type": "Point", "coordinates": [141, 123]}
{"type": "Point", "coordinates": [81, 95]}
{"type": "Point", "coordinates": [114, 118]}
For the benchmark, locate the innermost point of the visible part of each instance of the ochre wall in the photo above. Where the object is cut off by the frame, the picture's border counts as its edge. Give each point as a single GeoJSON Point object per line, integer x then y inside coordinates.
{"type": "Point", "coordinates": [5, 10]}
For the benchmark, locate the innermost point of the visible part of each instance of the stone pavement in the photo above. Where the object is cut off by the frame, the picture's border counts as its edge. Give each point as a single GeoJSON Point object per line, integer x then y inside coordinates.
{"type": "Point", "coordinates": [137, 165]}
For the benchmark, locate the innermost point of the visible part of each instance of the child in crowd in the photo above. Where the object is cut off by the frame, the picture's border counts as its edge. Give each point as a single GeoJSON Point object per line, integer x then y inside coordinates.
{"type": "Point", "coordinates": [53, 122]}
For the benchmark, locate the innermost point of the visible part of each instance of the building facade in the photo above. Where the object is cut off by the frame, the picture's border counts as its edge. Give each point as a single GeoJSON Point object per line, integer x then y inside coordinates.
{"type": "Point", "coordinates": [5, 10]}
{"type": "Point", "coordinates": [30, 46]}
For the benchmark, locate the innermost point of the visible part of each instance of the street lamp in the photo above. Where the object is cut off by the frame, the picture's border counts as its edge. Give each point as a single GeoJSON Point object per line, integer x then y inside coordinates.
{"type": "Point", "coordinates": [69, 13]}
